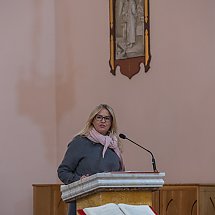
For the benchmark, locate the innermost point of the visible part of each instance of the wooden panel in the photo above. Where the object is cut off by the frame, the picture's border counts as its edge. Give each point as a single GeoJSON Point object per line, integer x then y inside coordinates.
{"type": "Point", "coordinates": [41, 201]}
{"type": "Point", "coordinates": [169, 200]}
{"type": "Point", "coordinates": [59, 206]}
{"type": "Point", "coordinates": [178, 201]}
{"type": "Point", "coordinates": [207, 200]}
{"type": "Point", "coordinates": [47, 200]}
{"type": "Point", "coordinates": [156, 201]}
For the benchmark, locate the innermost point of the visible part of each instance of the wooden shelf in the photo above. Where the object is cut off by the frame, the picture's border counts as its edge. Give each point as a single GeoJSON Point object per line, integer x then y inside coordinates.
{"type": "Point", "coordinates": [177, 199]}
{"type": "Point", "coordinates": [47, 200]}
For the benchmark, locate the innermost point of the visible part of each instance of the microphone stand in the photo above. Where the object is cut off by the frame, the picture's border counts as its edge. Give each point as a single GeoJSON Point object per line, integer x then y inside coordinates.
{"type": "Point", "coordinates": [153, 159]}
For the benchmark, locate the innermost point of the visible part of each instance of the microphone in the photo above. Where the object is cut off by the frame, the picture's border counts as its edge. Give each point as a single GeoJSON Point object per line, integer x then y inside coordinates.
{"type": "Point", "coordinates": [123, 136]}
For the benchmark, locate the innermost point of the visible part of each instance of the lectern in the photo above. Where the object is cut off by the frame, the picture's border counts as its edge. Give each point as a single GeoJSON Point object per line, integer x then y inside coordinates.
{"type": "Point", "coordinates": [116, 187]}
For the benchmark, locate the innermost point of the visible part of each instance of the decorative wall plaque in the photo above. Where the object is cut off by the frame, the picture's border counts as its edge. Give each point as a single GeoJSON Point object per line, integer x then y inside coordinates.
{"type": "Point", "coordinates": [129, 36]}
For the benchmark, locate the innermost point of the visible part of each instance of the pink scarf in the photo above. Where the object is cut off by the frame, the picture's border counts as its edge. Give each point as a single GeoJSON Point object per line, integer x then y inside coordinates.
{"type": "Point", "coordinates": [107, 142]}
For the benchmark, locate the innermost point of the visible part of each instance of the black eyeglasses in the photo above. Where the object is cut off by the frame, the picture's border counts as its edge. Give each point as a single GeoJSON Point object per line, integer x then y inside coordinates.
{"type": "Point", "coordinates": [100, 118]}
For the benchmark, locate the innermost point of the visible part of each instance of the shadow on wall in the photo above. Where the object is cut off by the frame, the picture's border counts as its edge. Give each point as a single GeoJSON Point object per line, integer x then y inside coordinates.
{"type": "Point", "coordinates": [45, 89]}
{"type": "Point", "coordinates": [37, 101]}
{"type": "Point", "coordinates": [45, 104]}
{"type": "Point", "coordinates": [45, 100]}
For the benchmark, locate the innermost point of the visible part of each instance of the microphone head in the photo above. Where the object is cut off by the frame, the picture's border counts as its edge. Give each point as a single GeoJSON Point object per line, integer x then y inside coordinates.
{"type": "Point", "coordinates": [123, 136]}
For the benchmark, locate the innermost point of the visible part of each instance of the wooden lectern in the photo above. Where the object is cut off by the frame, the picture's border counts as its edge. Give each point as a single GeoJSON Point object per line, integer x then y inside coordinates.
{"type": "Point", "coordinates": [116, 187]}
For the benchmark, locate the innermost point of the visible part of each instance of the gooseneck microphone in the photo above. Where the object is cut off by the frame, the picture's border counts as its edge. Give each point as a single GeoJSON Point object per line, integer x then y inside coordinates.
{"type": "Point", "coordinates": [123, 136]}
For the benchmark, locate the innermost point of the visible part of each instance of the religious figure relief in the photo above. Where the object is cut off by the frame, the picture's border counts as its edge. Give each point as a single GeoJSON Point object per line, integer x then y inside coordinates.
{"type": "Point", "coordinates": [129, 36]}
{"type": "Point", "coordinates": [129, 29]}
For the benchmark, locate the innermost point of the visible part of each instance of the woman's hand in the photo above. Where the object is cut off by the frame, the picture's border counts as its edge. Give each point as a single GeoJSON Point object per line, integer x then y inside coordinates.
{"type": "Point", "coordinates": [84, 176]}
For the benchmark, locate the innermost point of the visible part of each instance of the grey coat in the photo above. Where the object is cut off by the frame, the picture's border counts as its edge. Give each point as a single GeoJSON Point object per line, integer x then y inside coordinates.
{"type": "Point", "coordinates": [85, 157]}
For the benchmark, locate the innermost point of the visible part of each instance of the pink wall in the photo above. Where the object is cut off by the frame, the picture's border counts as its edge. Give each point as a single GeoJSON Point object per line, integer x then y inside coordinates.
{"type": "Point", "coordinates": [27, 111]}
{"type": "Point", "coordinates": [54, 70]}
{"type": "Point", "coordinates": [169, 109]}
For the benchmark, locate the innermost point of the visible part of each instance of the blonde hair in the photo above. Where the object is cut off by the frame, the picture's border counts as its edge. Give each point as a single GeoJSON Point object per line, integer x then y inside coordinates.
{"type": "Point", "coordinates": [89, 123]}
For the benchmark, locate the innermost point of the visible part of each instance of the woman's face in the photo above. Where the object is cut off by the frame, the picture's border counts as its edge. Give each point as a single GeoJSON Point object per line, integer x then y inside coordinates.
{"type": "Point", "coordinates": [102, 121]}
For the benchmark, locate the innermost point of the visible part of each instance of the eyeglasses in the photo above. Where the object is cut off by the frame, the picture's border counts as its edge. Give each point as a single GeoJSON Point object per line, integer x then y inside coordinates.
{"type": "Point", "coordinates": [100, 118]}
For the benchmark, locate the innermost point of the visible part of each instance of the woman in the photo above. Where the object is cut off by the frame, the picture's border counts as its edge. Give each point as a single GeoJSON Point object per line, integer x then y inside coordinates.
{"type": "Point", "coordinates": [95, 149]}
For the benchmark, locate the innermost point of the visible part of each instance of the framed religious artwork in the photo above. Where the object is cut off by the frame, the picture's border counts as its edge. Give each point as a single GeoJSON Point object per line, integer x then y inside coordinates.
{"type": "Point", "coordinates": [129, 36]}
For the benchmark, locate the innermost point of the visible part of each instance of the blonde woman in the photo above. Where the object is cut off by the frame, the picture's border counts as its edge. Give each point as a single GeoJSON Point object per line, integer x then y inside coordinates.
{"type": "Point", "coordinates": [94, 149]}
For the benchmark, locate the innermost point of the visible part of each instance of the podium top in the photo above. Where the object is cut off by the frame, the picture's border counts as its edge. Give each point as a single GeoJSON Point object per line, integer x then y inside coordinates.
{"type": "Point", "coordinates": [112, 180]}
